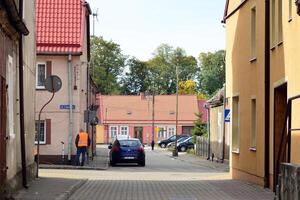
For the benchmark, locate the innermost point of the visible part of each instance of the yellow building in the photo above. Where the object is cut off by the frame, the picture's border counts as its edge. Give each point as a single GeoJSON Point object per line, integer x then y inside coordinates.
{"type": "Point", "coordinates": [262, 73]}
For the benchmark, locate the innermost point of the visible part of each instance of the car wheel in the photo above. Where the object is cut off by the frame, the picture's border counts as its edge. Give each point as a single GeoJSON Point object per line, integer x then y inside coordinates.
{"type": "Point", "coordinates": [163, 145]}
{"type": "Point", "coordinates": [142, 163]}
{"type": "Point", "coordinates": [183, 148]}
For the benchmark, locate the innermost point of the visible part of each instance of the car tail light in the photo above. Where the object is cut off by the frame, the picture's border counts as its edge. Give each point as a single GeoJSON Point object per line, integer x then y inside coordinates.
{"type": "Point", "coordinates": [116, 149]}
{"type": "Point", "coordinates": [141, 149]}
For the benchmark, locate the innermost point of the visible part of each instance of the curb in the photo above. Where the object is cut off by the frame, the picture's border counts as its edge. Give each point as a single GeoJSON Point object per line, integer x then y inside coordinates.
{"type": "Point", "coordinates": [67, 194]}
{"type": "Point", "coordinates": [73, 167]}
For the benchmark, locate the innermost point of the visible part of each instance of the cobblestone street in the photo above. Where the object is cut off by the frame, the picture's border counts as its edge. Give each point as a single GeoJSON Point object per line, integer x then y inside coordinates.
{"type": "Point", "coordinates": [163, 178]}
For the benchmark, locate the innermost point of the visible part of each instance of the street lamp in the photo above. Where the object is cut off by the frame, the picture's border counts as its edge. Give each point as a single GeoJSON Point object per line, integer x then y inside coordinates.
{"type": "Point", "coordinates": [175, 152]}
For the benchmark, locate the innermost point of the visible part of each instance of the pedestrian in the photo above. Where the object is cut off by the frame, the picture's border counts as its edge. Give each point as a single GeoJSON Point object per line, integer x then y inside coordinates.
{"type": "Point", "coordinates": [82, 143]}
{"type": "Point", "coordinates": [152, 145]}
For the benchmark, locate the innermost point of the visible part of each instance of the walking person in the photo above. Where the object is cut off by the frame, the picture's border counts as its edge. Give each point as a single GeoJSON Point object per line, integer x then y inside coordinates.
{"type": "Point", "coordinates": [152, 145]}
{"type": "Point", "coordinates": [82, 143]}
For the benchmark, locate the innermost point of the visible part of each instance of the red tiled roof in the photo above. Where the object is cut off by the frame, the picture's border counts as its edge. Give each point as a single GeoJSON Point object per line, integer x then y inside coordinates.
{"type": "Point", "coordinates": [60, 26]}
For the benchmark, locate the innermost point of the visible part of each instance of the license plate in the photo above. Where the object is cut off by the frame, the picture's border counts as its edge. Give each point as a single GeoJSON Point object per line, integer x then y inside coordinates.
{"type": "Point", "coordinates": [128, 158]}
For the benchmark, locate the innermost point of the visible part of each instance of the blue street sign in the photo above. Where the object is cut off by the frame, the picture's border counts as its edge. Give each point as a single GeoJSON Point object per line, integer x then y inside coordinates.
{"type": "Point", "coordinates": [227, 115]}
{"type": "Point", "coordinates": [66, 107]}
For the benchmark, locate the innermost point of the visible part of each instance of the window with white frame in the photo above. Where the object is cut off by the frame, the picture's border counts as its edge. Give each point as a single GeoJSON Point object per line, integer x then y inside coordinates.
{"type": "Point", "coordinates": [42, 132]}
{"type": "Point", "coordinates": [124, 130]}
{"type": "Point", "coordinates": [113, 130]}
{"type": "Point", "coordinates": [41, 74]}
{"type": "Point", "coordinates": [253, 33]}
{"type": "Point", "coordinates": [171, 131]}
{"type": "Point", "coordinates": [11, 96]}
{"type": "Point", "coordinates": [235, 124]}
{"type": "Point", "coordinates": [161, 133]}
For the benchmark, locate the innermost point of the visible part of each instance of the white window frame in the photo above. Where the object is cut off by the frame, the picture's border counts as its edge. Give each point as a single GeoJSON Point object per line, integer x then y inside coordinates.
{"type": "Point", "coordinates": [125, 131]}
{"type": "Point", "coordinates": [161, 134]}
{"type": "Point", "coordinates": [173, 128]}
{"type": "Point", "coordinates": [253, 32]}
{"type": "Point", "coordinates": [10, 97]}
{"type": "Point", "coordinates": [110, 131]}
{"type": "Point", "coordinates": [37, 74]}
{"type": "Point", "coordinates": [45, 132]}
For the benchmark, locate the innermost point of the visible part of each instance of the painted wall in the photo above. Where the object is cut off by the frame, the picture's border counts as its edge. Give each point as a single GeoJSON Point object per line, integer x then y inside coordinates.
{"type": "Point", "coordinates": [245, 79]}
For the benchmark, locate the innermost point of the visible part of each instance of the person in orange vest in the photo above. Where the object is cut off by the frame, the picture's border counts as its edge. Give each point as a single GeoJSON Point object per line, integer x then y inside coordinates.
{"type": "Point", "coordinates": [82, 143]}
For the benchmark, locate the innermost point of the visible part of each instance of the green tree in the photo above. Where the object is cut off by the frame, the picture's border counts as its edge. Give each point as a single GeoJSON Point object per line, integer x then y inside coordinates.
{"type": "Point", "coordinates": [212, 71]}
{"type": "Point", "coordinates": [108, 63]}
{"type": "Point", "coordinates": [200, 128]}
{"type": "Point", "coordinates": [162, 68]}
{"type": "Point", "coordinates": [137, 79]}
{"type": "Point", "coordinates": [187, 87]}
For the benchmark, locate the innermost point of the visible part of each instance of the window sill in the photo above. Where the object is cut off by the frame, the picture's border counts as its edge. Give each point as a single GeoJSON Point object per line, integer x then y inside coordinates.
{"type": "Point", "coordinates": [252, 60]}
{"type": "Point", "coordinates": [37, 88]}
{"type": "Point", "coordinates": [41, 143]}
{"type": "Point", "coordinates": [290, 20]}
{"type": "Point", "coordinates": [252, 149]}
{"type": "Point", "coordinates": [280, 43]}
{"type": "Point", "coordinates": [237, 152]}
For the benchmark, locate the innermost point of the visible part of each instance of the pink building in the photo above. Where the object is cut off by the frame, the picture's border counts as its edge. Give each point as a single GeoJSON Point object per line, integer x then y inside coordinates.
{"type": "Point", "coordinates": [131, 116]}
{"type": "Point", "coordinates": [63, 43]}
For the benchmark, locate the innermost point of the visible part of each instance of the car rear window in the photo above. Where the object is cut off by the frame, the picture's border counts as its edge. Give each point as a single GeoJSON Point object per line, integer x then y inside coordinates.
{"type": "Point", "coordinates": [129, 143]}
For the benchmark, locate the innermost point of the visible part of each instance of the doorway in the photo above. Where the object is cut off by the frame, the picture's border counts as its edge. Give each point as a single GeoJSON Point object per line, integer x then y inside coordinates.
{"type": "Point", "coordinates": [2, 131]}
{"type": "Point", "coordinates": [280, 104]}
{"type": "Point", "coordinates": [138, 133]}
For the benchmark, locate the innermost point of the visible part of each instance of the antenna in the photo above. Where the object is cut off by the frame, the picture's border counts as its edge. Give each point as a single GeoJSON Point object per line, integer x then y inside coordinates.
{"type": "Point", "coordinates": [95, 16]}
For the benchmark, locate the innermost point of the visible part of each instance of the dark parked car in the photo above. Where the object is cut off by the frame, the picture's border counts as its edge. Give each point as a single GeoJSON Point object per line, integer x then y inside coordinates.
{"type": "Point", "coordinates": [164, 143]}
{"type": "Point", "coordinates": [186, 144]}
{"type": "Point", "coordinates": [172, 144]}
{"type": "Point", "coordinates": [127, 151]}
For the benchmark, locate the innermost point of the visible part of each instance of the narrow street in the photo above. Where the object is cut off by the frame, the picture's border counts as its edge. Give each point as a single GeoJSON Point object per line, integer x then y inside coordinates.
{"type": "Point", "coordinates": [163, 178]}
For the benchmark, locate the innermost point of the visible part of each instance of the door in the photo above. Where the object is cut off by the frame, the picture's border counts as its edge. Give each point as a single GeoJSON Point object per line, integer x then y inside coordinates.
{"type": "Point", "coordinates": [138, 133]}
{"type": "Point", "coordinates": [2, 131]}
{"type": "Point", "coordinates": [280, 103]}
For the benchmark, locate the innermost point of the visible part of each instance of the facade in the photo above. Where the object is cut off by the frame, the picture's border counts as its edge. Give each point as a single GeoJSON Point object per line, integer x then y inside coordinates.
{"type": "Point", "coordinates": [63, 43]}
{"type": "Point", "coordinates": [262, 73]}
{"type": "Point", "coordinates": [17, 33]}
{"type": "Point", "coordinates": [131, 116]}
{"type": "Point", "coordinates": [219, 137]}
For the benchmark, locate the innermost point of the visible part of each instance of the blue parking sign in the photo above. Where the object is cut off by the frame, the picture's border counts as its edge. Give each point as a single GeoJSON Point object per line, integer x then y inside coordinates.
{"type": "Point", "coordinates": [227, 115]}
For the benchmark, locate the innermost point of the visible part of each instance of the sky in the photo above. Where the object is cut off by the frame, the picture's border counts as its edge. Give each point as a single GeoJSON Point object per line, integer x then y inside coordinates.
{"type": "Point", "coordinates": [140, 26]}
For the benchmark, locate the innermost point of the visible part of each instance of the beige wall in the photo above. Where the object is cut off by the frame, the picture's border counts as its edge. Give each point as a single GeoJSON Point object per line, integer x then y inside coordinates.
{"type": "Point", "coordinates": [14, 144]}
{"type": "Point", "coordinates": [60, 118]}
{"type": "Point", "coordinates": [246, 79]}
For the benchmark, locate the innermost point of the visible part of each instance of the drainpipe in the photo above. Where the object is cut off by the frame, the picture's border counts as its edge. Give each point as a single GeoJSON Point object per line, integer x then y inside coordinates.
{"type": "Point", "coordinates": [267, 93]}
{"type": "Point", "coordinates": [70, 83]}
{"type": "Point", "coordinates": [224, 124]}
{"type": "Point", "coordinates": [21, 93]}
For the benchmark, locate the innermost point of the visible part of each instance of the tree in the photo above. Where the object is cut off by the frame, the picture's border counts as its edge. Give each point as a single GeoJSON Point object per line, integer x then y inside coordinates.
{"type": "Point", "coordinates": [108, 63]}
{"type": "Point", "coordinates": [212, 71]}
{"type": "Point", "coordinates": [187, 87]}
{"type": "Point", "coordinates": [162, 68]}
{"type": "Point", "coordinates": [199, 128]}
{"type": "Point", "coordinates": [137, 79]}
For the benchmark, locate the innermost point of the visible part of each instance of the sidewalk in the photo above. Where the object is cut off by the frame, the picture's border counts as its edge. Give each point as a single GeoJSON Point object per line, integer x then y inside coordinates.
{"type": "Point", "coordinates": [50, 188]}
{"type": "Point", "coordinates": [100, 162]}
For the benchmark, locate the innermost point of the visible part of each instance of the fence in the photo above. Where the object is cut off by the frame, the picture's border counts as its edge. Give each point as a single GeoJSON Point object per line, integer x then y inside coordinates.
{"type": "Point", "coordinates": [201, 148]}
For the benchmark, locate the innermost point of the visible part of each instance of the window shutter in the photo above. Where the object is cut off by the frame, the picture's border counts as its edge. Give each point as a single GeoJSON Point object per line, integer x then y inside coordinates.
{"type": "Point", "coordinates": [48, 131]}
{"type": "Point", "coordinates": [49, 68]}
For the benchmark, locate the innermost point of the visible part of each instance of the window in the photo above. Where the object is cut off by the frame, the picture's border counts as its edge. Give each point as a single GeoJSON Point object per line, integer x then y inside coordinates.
{"type": "Point", "coordinates": [113, 131]}
{"type": "Point", "coordinates": [253, 33]}
{"type": "Point", "coordinates": [41, 75]}
{"type": "Point", "coordinates": [273, 24]}
{"type": "Point", "coordinates": [253, 124]}
{"type": "Point", "coordinates": [161, 132]}
{"type": "Point", "coordinates": [42, 132]}
{"type": "Point", "coordinates": [280, 31]}
{"type": "Point", "coordinates": [290, 10]}
{"type": "Point", "coordinates": [235, 125]}
{"type": "Point", "coordinates": [11, 97]}
{"type": "Point", "coordinates": [124, 130]}
{"type": "Point", "coordinates": [171, 131]}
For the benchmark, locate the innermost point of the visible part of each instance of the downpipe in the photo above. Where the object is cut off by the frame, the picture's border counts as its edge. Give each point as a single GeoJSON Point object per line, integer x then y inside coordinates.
{"type": "Point", "coordinates": [70, 94]}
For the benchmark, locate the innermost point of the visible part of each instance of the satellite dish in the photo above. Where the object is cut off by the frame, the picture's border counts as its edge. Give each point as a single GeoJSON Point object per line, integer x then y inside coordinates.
{"type": "Point", "coordinates": [53, 83]}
